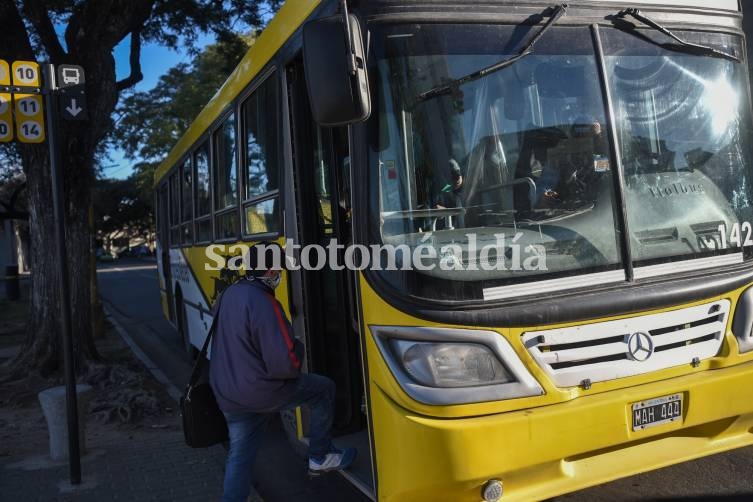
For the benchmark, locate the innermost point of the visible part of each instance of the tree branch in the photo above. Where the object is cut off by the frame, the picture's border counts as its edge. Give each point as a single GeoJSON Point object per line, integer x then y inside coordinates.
{"type": "Point", "coordinates": [37, 14]}
{"type": "Point", "coordinates": [13, 37]}
{"type": "Point", "coordinates": [135, 62]}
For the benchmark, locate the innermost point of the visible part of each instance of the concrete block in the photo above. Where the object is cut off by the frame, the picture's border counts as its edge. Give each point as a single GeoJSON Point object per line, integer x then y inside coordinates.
{"type": "Point", "coordinates": [54, 408]}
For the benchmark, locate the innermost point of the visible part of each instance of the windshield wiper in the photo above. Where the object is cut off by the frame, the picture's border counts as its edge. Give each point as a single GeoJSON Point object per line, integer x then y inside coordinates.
{"type": "Point", "coordinates": [683, 46]}
{"type": "Point", "coordinates": [449, 87]}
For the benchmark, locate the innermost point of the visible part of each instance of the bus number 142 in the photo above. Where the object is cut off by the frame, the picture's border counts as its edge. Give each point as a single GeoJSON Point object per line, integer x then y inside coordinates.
{"type": "Point", "coordinates": [740, 235]}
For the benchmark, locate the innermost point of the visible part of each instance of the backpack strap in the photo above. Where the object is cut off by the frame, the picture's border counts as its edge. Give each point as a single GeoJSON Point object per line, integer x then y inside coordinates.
{"type": "Point", "coordinates": [198, 365]}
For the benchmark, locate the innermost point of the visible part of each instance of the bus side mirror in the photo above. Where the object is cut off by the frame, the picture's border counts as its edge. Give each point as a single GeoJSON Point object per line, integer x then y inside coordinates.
{"type": "Point", "coordinates": [335, 67]}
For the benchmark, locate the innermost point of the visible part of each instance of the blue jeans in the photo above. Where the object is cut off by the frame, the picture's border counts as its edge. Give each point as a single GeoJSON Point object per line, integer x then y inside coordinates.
{"type": "Point", "coordinates": [246, 430]}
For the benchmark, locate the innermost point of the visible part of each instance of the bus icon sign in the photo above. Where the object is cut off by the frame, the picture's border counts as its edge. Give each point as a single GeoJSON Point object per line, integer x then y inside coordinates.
{"type": "Point", "coordinates": [69, 75]}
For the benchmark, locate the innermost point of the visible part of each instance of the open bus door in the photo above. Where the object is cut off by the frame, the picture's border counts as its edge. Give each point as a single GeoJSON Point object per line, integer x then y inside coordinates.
{"type": "Point", "coordinates": [321, 160]}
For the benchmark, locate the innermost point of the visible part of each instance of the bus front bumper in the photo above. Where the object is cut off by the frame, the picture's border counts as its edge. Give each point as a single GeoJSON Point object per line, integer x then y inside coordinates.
{"type": "Point", "coordinates": [542, 452]}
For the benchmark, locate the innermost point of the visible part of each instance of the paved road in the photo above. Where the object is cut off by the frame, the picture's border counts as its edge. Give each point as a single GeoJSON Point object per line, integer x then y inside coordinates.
{"type": "Point", "coordinates": [130, 290]}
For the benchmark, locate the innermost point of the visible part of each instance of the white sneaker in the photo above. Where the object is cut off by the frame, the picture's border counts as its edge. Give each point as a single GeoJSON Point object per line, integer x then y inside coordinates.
{"type": "Point", "coordinates": [336, 460]}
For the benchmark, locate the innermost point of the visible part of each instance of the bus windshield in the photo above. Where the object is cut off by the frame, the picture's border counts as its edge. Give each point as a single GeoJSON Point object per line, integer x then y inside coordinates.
{"type": "Point", "coordinates": [520, 161]}
{"type": "Point", "coordinates": [684, 133]}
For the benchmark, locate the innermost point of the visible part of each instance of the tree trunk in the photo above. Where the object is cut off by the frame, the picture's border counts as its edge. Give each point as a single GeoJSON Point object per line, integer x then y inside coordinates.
{"type": "Point", "coordinates": [98, 313]}
{"type": "Point", "coordinates": [78, 240]}
{"type": "Point", "coordinates": [41, 349]}
{"type": "Point", "coordinates": [93, 30]}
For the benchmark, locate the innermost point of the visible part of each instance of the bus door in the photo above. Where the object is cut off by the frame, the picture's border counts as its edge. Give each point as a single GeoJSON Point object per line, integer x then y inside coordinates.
{"type": "Point", "coordinates": [164, 231]}
{"type": "Point", "coordinates": [323, 214]}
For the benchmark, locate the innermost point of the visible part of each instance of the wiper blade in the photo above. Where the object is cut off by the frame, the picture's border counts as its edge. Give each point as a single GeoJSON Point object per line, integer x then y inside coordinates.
{"type": "Point", "coordinates": [684, 46]}
{"type": "Point", "coordinates": [449, 87]}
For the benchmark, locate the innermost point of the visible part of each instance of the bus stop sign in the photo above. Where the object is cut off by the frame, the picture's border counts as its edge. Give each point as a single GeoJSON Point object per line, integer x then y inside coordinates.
{"type": "Point", "coordinates": [28, 105]}
{"type": "Point", "coordinates": [70, 76]}
{"type": "Point", "coordinates": [6, 111]}
{"type": "Point", "coordinates": [70, 81]}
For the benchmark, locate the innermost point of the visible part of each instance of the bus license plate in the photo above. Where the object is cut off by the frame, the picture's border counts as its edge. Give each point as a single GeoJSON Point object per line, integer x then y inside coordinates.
{"type": "Point", "coordinates": [660, 410]}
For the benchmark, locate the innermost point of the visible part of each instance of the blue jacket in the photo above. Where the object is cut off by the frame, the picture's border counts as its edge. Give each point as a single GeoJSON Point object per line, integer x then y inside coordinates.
{"type": "Point", "coordinates": [255, 357]}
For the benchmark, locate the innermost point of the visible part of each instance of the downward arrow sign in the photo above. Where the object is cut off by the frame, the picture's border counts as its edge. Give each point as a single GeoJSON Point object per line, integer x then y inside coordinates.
{"type": "Point", "coordinates": [73, 108]}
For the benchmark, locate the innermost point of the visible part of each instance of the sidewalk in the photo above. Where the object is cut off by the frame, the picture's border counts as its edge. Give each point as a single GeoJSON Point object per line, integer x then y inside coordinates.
{"type": "Point", "coordinates": [140, 465]}
{"type": "Point", "coordinates": [143, 460]}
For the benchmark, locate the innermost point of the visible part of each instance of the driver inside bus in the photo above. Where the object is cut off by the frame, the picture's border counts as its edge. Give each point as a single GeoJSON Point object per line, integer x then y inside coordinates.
{"type": "Point", "coordinates": [574, 164]}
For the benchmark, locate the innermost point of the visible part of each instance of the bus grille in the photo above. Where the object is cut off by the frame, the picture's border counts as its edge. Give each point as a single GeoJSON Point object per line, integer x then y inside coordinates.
{"type": "Point", "coordinates": [597, 352]}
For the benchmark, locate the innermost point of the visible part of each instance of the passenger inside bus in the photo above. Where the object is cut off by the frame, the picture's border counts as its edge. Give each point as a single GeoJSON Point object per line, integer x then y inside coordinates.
{"type": "Point", "coordinates": [573, 165]}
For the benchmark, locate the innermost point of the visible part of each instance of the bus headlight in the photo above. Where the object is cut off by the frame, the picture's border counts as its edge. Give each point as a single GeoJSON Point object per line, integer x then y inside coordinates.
{"type": "Point", "coordinates": [443, 366]}
{"type": "Point", "coordinates": [450, 364]}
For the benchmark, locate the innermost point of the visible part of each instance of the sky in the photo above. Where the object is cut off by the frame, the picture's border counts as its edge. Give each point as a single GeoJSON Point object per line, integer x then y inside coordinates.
{"type": "Point", "coordinates": [156, 60]}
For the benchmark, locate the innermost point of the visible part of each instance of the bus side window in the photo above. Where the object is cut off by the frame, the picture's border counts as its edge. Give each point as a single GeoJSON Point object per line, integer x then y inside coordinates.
{"type": "Point", "coordinates": [186, 187]}
{"type": "Point", "coordinates": [203, 206]}
{"type": "Point", "coordinates": [225, 172]}
{"type": "Point", "coordinates": [261, 173]}
{"type": "Point", "coordinates": [163, 217]}
{"type": "Point", "coordinates": [175, 209]}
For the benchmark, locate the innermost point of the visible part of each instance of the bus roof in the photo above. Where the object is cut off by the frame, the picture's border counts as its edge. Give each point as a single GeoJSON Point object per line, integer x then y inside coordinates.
{"type": "Point", "coordinates": [287, 20]}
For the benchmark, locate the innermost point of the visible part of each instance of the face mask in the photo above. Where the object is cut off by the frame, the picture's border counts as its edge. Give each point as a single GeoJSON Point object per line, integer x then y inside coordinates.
{"type": "Point", "coordinates": [272, 281]}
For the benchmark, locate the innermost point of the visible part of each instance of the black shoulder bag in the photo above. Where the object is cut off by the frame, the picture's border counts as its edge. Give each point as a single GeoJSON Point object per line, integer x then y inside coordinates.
{"type": "Point", "coordinates": [203, 423]}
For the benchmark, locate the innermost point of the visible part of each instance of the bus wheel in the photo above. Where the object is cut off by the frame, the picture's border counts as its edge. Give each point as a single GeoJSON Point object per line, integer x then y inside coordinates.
{"type": "Point", "coordinates": [183, 328]}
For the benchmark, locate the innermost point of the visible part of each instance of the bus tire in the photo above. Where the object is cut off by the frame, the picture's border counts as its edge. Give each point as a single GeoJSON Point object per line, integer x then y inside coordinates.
{"type": "Point", "coordinates": [182, 318]}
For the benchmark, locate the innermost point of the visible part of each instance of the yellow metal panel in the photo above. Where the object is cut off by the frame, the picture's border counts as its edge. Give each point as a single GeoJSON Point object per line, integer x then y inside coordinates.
{"type": "Point", "coordinates": [567, 439]}
{"type": "Point", "coordinates": [212, 281]}
{"type": "Point", "coordinates": [6, 118]}
{"type": "Point", "coordinates": [379, 312]}
{"type": "Point", "coordinates": [26, 73]}
{"type": "Point", "coordinates": [298, 422]}
{"type": "Point", "coordinates": [288, 19]}
{"type": "Point", "coordinates": [4, 72]}
{"type": "Point", "coordinates": [165, 305]}
{"type": "Point", "coordinates": [544, 452]}
{"type": "Point", "coordinates": [29, 118]}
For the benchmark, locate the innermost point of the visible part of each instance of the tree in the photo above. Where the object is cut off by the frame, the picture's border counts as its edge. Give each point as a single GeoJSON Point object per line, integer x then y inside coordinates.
{"type": "Point", "coordinates": [151, 122]}
{"type": "Point", "coordinates": [91, 29]}
{"type": "Point", "coordinates": [124, 208]}
{"type": "Point", "coordinates": [12, 185]}
{"type": "Point", "coordinates": [121, 208]}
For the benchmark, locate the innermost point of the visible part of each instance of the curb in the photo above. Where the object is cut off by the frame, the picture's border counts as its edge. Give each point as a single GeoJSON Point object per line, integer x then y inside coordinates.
{"type": "Point", "coordinates": [157, 373]}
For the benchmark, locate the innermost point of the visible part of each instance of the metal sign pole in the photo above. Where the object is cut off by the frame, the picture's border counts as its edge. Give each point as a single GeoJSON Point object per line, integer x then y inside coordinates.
{"type": "Point", "coordinates": [58, 202]}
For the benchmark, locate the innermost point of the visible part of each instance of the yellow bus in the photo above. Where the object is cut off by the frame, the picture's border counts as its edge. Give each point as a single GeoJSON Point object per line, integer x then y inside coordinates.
{"type": "Point", "coordinates": [577, 182]}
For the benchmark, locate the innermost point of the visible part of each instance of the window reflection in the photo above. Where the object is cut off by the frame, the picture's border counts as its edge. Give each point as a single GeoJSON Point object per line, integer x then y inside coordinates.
{"type": "Point", "coordinates": [201, 160]}
{"type": "Point", "coordinates": [684, 137]}
{"type": "Point", "coordinates": [262, 217]}
{"type": "Point", "coordinates": [261, 139]}
{"type": "Point", "coordinates": [225, 173]}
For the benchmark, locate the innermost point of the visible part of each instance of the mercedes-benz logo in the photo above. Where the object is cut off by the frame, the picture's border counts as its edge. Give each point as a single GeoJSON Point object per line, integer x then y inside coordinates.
{"type": "Point", "coordinates": [640, 346]}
